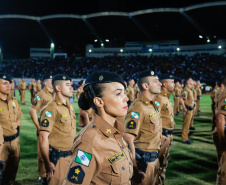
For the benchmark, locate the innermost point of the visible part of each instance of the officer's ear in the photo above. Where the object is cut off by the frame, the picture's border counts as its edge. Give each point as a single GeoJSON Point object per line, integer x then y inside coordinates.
{"type": "Point", "coordinates": [98, 102]}
{"type": "Point", "coordinates": [145, 86]}
{"type": "Point", "coordinates": [58, 88]}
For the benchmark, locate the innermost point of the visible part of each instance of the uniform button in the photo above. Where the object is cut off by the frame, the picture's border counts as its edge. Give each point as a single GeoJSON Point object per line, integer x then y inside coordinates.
{"type": "Point", "coordinates": [123, 147]}
{"type": "Point", "coordinates": [94, 126]}
{"type": "Point", "coordinates": [123, 168]}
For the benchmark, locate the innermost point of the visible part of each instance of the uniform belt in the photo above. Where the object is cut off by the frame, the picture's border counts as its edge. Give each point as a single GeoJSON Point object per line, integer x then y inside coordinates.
{"type": "Point", "coordinates": [167, 132]}
{"type": "Point", "coordinates": [143, 158]}
{"type": "Point", "coordinates": [189, 108]}
{"type": "Point", "coordinates": [11, 138]}
{"type": "Point", "coordinates": [59, 153]}
{"type": "Point", "coordinates": [178, 95]}
{"type": "Point", "coordinates": [198, 97]}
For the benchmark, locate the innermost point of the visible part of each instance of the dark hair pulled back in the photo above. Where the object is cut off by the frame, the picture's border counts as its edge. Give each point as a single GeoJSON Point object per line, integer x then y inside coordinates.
{"type": "Point", "coordinates": [90, 91]}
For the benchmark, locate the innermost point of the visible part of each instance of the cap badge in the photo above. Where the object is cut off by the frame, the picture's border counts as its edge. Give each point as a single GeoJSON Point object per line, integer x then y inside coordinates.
{"type": "Point", "coordinates": [171, 76]}
{"type": "Point", "coordinates": [152, 73]}
{"type": "Point", "coordinates": [64, 77]}
{"type": "Point", "coordinates": [51, 76]}
{"type": "Point", "coordinates": [4, 77]}
{"type": "Point", "coordinates": [101, 78]}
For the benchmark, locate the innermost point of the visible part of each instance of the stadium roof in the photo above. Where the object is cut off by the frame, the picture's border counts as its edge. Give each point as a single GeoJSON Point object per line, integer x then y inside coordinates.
{"type": "Point", "coordinates": [73, 24]}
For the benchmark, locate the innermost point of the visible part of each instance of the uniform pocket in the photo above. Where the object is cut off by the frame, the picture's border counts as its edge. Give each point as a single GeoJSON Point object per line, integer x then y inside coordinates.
{"type": "Point", "coordinates": [154, 124]}
{"type": "Point", "coordinates": [65, 124]}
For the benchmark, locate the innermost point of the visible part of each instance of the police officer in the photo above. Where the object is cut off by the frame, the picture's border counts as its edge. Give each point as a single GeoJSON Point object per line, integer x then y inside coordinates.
{"type": "Point", "coordinates": [144, 128]}
{"type": "Point", "coordinates": [188, 104]}
{"type": "Point", "coordinates": [12, 93]}
{"type": "Point", "coordinates": [136, 91]}
{"type": "Point", "coordinates": [100, 155]}
{"type": "Point", "coordinates": [130, 91]}
{"type": "Point", "coordinates": [22, 88]}
{"type": "Point", "coordinates": [193, 111]}
{"type": "Point", "coordinates": [38, 86]}
{"type": "Point", "coordinates": [166, 109]}
{"type": "Point", "coordinates": [85, 116]}
{"type": "Point", "coordinates": [80, 89]}
{"type": "Point", "coordinates": [58, 125]}
{"type": "Point", "coordinates": [10, 114]}
{"type": "Point", "coordinates": [177, 95]}
{"type": "Point", "coordinates": [219, 136]}
{"type": "Point", "coordinates": [199, 94]}
{"type": "Point", "coordinates": [42, 98]}
{"type": "Point", "coordinates": [32, 88]}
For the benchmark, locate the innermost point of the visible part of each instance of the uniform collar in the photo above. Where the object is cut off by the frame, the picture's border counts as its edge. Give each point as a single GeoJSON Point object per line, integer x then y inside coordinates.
{"type": "Point", "coordinates": [59, 101]}
{"type": "Point", "coordinates": [47, 91]}
{"type": "Point", "coordinates": [106, 128]}
{"type": "Point", "coordinates": [164, 93]}
{"type": "Point", "coordinates": [145, 100]}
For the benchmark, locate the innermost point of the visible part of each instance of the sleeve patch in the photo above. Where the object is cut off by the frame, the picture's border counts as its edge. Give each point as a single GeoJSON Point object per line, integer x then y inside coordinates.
{"type": "Point", "coordinates": [83, 158]}
{"type": "Point", "coordinates": [157, 103]}
{"type": "Point", "coordinates": [38, 98]}
{"type": "Point", "coordinates": [76, 175]}
{"type": "Point", "coordinates": [34, 102]}
{"type": "Point", "coordinates": [223, 107]}
{"type": "Point", "coordinates": [135, 115]}
{"type": "Point", "coordinates": [131, 124]}
{"type": "Point", "coordinates": [45, 123]}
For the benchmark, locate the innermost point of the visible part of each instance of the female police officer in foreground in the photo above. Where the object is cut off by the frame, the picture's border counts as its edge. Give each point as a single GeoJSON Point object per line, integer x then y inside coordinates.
{"type": "Point", "coordinates": [99, 154]}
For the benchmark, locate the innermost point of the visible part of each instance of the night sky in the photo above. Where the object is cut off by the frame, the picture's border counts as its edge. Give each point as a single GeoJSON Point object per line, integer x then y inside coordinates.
{"type": "Point", "coordinates": [71, 35]}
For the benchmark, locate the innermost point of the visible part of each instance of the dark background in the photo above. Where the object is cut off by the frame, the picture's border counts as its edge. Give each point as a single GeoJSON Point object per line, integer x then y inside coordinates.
{"type": "Point", "coordinates": [71, 35]}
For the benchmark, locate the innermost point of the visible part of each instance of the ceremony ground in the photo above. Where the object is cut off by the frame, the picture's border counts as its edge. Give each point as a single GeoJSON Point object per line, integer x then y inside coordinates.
{"type": "Point", "coordinates": [194, 164]}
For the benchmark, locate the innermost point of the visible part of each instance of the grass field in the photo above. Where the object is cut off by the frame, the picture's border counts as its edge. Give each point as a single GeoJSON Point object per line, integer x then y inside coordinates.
{"type": "Point", "coordinates": [188, 164]}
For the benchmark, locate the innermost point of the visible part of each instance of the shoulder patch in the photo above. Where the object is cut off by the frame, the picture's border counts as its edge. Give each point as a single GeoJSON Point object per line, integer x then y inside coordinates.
{"type": "Point", "coordinates": [45, 123]}
{"type": "Point", "coordinates": [223, 107]}
{"type": "Point", "coordinates": [116, 157]}
{"type": "Point", "coordinates": [224, 100]}
{"type": "Point", "coordinates": [83, 158]}
{"type": "Point", "coordinates": [38, 98]}
{"type": "Point", "coordinates": [131, 124]}
{"type": "Point", "coordinates": [76, 175]}
{"type": "Point", "coordinates": [157, 103]}
{"type": "Point", "coordinates": [185, 92]}
{"type": "Point", "coordinates": [127, 88]}
{"type": "Point", "coordinates": [48, 114]}
{"type": "Point", "coordinates": [34, 102]}
{"type": "Point", "coordinates": [135, 115]}
{"type": "Point", "coordinates": [79, 90]}
{"type": "Point", "coordinates": [14, 105]}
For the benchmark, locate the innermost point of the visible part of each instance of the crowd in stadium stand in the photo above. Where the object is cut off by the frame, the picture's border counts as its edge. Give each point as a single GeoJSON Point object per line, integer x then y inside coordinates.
{"type": "Point", "coordinates": [199, 67]}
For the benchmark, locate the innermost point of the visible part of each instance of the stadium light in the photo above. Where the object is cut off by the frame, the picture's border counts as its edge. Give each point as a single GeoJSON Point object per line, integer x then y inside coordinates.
{"type": "Point", "coordinates": [200, 36]}
{"type": "Point", "coordinates": [107, 40]}
{"type": "Point", "coordinates": [150, 50]}
{"type": "Point", "coordinates": [219, 47]}
{"type": "Point", "coordinates": [214, 36]}
{"type": "Point", "coordinates": [178, 49]}
{"type": "Point", "coordinates": [208, 40]}
{"type": "Point", "coordinates": [90, 50]}
{"type": "Point", "coordinates": [95, 40]}
{"type": "Point", "coordinates": [102, 44]}
{"type": "Point", "coordinates": [121, 50]}
{"type": "Point", "coordinates": [52, 47]}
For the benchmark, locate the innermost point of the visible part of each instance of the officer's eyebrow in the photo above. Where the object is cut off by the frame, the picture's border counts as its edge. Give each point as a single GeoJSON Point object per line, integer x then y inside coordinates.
{"type": "Point", "coordinates": [118, 90]}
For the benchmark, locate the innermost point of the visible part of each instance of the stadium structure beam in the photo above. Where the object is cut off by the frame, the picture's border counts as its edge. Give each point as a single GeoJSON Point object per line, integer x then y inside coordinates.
{"type": "Point", "coordinates": [101, 14]}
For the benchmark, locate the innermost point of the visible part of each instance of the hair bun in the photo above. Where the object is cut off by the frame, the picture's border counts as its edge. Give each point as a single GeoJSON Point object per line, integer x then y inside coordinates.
{"type": "Point", "coordinates": [83, 103]}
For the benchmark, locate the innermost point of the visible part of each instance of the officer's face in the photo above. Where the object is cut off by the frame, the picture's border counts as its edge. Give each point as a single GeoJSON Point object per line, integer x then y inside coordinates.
{"type": "Point", "coordinates": [40, 82]}
{"type": "Point", "coordinates": [5, 87]}
{"type": "Point", "coordinates": [48, 83]}
{"type": "Point", "coordinates": [154, 85]}
{"type": "Point", "coordinates": [169, 84]}
{"type": "Point", "coordinates": [115, 99]}
{"type": "Point", "coordinates": [66, 89]}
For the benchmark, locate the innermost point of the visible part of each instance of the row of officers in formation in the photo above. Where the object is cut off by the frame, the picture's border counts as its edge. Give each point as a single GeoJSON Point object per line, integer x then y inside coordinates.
{"type": "Point", "coordinates": [127, 134]}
